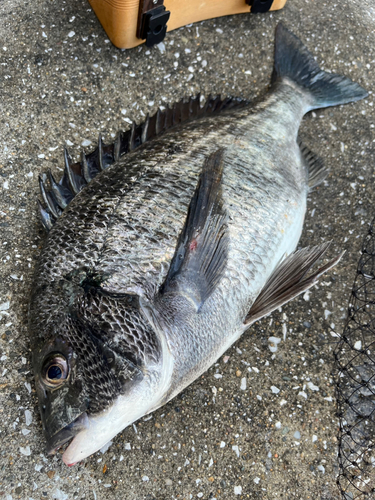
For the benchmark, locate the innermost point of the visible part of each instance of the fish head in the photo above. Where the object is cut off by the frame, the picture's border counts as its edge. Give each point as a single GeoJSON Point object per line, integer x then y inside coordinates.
{"type": "Point", "coordinates": [58, 369]}
{"type": "Point", "coordinates": [63, 400]}
{"type": "Point", "coordinates": [98, 367]}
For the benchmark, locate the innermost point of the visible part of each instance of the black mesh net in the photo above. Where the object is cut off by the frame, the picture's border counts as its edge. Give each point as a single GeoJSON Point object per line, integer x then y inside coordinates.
{"type": "Point", "coordinates": [355, 361]}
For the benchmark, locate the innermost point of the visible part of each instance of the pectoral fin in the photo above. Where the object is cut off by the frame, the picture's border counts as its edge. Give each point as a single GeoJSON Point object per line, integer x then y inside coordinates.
{"type": "Point", "coordinates": [201, 252]}
{"type": "Point", "coordinates": [289, 280]}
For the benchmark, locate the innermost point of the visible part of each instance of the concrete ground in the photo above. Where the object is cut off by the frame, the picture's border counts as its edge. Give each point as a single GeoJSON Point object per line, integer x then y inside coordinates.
{"type": "Point", "coordinates": [259, 424]}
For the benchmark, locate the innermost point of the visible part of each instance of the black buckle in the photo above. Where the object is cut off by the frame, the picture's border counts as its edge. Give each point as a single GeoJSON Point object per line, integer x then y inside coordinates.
{"type": "Point", "coordinates": [154, 25]}
{"type": "Point", "coordinates": [259, 6]}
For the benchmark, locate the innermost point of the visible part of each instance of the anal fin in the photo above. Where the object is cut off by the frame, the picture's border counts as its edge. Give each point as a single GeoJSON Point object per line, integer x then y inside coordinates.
{"type": "Point", "coordinates": [289, 280]}
{"type": "Point", "coordinates": [314, 164]}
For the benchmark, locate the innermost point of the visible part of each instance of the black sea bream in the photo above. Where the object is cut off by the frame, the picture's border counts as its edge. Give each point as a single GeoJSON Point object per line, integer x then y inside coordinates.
{"type": "Point", "coordinates": [157, 260]}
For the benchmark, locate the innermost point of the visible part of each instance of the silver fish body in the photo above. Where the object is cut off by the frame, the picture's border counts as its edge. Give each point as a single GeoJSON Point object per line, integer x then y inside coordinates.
{"type": "Point", "coordinates": [132, 301]}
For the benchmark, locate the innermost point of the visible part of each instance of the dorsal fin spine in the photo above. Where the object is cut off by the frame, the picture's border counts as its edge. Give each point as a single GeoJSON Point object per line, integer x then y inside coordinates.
{"type": "Point", "coordinates": [85, 168]}
{"type": "Point", "coordinates": [145, 129]}
{"type": "Point", "coordinates": [158, 127]}
{"type": "Point", "coordinates": [57, 190]}
{"type": "Point", "coordinates": [69, 172]}
{"type": "Point", "coordinates": [45, 216]}
{"type": "Point", "coordinates": [124, 141]}
{"type": "Point", "coordinates": [48, 197]}
{"type": "Point", "coordinates": [100, 152]}
{"type": "Point", "coordinates": [168, 121]}
{"type": "Point", "coordinates": [117, 147]}
{"type": "Point", "coordinates": [131, 137]}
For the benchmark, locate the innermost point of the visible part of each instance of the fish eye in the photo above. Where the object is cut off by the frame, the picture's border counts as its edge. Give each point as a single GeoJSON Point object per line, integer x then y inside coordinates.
{"type": "Point", "coordinates": [55, 370]}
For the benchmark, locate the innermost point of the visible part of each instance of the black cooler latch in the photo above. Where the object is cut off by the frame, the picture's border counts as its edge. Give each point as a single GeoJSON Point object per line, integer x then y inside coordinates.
{"type": "Point", "coordinates": [258, 6]}
{"type": "Point", "coordinates": [152, 21]}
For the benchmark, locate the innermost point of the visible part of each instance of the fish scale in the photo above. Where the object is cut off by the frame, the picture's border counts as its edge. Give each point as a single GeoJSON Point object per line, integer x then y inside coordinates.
{"type": "Point", "coordinates": [184, 237]}
{"type": "Point", "coordinates": [124, 247]}
{"type": "Point", "coordinates": [140, 343]}
{"type": "Point", "coordinates": [246, 269]}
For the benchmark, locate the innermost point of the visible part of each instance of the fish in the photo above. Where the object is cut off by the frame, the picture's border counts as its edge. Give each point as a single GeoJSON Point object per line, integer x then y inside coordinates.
{"type": "Point", "coordinates": [164, 247]}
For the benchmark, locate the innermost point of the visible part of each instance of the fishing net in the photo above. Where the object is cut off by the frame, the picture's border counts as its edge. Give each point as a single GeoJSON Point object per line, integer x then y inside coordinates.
{"type": "Point", "coordinates": [355, 361]}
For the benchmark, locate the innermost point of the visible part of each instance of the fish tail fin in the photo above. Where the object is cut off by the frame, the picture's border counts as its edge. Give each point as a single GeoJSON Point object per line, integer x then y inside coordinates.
{"type": "Point", "coordinates": [294, 61]}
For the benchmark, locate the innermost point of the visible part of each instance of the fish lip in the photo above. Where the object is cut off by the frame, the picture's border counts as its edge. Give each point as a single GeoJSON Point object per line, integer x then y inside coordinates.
{"type": "Point", "coordinates": [67, 433]}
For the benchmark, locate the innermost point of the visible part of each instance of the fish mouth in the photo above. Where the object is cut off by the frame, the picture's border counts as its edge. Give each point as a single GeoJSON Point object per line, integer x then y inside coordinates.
{"type": "Point", "coordinates": [64, 435]}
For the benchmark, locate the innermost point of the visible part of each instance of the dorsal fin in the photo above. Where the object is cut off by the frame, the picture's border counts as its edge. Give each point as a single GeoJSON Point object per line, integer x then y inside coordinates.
{"type": "Point", "coordinates": [77, 175]}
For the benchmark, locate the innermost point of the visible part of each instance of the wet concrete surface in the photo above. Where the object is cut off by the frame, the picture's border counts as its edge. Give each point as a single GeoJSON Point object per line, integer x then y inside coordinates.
{"type": "Point", "coordinates": [261, 423]}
